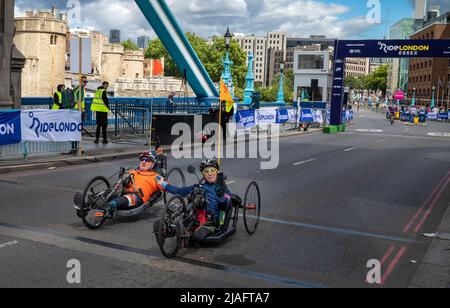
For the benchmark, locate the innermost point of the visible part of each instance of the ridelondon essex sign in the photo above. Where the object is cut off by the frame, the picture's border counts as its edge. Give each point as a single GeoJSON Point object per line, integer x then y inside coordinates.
{"type": "Point", "coordinates": [378, 49]}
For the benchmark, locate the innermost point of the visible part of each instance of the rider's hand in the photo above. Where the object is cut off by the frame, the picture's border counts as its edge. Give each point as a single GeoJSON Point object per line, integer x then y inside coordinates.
{"type": "Point", "coordinates": [160, 180]}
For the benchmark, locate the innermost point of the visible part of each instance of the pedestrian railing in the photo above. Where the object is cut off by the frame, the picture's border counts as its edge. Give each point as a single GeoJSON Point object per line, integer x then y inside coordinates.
{"type": "Point", "coordinates": [131, 115]}
{"type": "Point", "coordinates": [24, 149]}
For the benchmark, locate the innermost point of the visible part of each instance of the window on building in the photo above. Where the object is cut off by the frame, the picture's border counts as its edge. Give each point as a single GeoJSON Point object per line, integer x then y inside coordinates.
{"type": "Point", "coordinates": [315, 62]}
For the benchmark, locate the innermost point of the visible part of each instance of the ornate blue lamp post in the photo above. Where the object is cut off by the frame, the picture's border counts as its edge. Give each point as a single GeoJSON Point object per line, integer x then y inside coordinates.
{"type": "Point", "coordinates": [226, 75]}
{"type": "Point", "coordinates": [280, 99]}
{"type": "Point", "coordinates": [250, 81]}
{"type": "Point", "coordinates": [433, 100]}
{"type": "Point", "coordinates": [413, 103]}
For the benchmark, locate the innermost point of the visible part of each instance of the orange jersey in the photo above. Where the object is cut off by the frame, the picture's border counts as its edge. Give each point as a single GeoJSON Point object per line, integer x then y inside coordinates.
{"type": "Point", "coordinates": [145, 182]}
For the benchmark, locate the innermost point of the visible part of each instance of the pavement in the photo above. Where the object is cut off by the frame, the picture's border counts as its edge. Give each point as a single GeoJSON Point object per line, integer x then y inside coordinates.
{"type": "Point", "coordinates": [334, 203]}
{"type": "Point", "coordinates": [119, 148]}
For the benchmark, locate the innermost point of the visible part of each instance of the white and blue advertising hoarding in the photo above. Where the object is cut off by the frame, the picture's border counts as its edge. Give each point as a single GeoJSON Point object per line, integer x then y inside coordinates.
{"type": "Point", "coordinates": [48, 125]}
{"type": "Point", "coordinates": [10, 127]}
{"type": "Point", "coordinates": [246, 118]}
{"type": "Point", "coordinates": [268, 116]}
{"type": "Point", "coordinates": [282, 116]}
{"type": "Point", "coordinates": [292, 116]}
{"type": "Point", "coordinates": [306, 116]}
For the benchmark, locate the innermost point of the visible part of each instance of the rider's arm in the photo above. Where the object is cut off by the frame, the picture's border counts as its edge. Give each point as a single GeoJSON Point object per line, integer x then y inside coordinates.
{"type": "Point", "coordinates": [183, 192]}
{"type": "Point", "coordinates": [225, 201]}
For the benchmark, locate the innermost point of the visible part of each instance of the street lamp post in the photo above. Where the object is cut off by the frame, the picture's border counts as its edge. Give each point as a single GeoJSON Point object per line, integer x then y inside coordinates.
{"type": "Point", "coordinates": [280, 99]}
{"type": "Point", "coordinates": [448, 96]}
{"type": "Point", "coordinates": [433, 100]}
{"type": "Point", "coordinates": [226, 75]}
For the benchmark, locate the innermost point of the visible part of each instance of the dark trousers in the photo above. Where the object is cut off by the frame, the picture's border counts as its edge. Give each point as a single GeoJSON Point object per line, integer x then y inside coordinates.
{"type": "Point", "coordinates": [102, 123]}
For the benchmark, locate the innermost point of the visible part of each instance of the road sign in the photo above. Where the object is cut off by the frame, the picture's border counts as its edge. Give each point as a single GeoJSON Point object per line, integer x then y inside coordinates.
{"type": "Point", "coordinates": [75, 56]}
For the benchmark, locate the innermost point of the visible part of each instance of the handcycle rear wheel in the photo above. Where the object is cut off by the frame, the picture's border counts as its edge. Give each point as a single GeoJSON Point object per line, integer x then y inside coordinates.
{"type": "Point", "coordinates": [176, 178]}
{"type": "Point", "coordinates": [168, 240]}
{"type": "Point", "coordinates": [91, 211]}
{"type": "Point", "coordinates": [252, 208]}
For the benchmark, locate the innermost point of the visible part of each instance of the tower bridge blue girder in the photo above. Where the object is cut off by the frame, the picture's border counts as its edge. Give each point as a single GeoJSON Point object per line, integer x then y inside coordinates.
{"type": "Point", "coordinates": [163, 22]}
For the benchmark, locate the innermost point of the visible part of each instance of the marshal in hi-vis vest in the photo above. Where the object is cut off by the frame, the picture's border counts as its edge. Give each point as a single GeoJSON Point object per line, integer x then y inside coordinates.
{"type": "Point", "coordinates": [98, 105]}
{"type": "Point", "coordinates": [55, 106]}
{"type": "Point", "coordinates": [83, 105]}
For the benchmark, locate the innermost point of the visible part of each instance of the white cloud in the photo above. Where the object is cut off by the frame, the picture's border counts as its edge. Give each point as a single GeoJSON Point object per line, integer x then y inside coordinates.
{"type": "Point", "coordinates": [211, 17]}
{"type": "Point", "coordinates": [18, 12]}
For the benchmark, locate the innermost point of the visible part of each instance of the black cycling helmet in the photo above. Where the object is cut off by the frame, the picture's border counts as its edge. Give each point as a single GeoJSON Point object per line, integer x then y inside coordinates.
{"type": "Point", "coordinates": [209, 163]}
{"type": "Point", "coordinates": [152, 156]}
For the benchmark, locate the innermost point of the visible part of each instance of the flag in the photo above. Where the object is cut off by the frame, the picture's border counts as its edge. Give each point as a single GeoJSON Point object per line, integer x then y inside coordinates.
{"type": "Point", "coordinates": [225, 96]}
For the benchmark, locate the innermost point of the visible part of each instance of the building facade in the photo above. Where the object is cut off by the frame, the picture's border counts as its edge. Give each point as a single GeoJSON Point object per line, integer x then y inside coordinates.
{"type": "Point", "coordinates": [143, 41]}
{"type": "Point", "coordinates": [357, 67]}
{"type": "Point", "coordinates": [133, 64]}
{"type": "Point", "coordinates": [320, 40]}
{"type": "Point", "coordinates": [426, 73]}
{"type": "Point", "coordinates": [398, 69]}
{"type": "Point", "coordinates": [112, 62]}
{"type": "Point", "coordinates": [257, 46]}
{"type": "Point", "coordinates": [274, 58]}
{"type": "Point", "coordinates": [11, 60]}
{"type": "Point", "coordinates": [114, 36]}
{"type": "Point", "coordinates": [313, 75]}
{"type": "Point", "coordinates": [42, 38]}
{"type": "Point", "coordinates": [98, 40]}
{"type": "Point", "coordinates": [154, 68]}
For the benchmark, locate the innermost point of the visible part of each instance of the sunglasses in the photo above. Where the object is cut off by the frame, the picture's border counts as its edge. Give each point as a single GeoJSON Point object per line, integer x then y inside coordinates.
{"type": "Point", "coordinates": [146, 160]}
{"type": "Point", "coordinates": [211, 171]}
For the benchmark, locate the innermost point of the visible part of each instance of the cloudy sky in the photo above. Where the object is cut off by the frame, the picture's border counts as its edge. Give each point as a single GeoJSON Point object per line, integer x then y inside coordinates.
{"type": "Point", "coordinates": [301, 18]}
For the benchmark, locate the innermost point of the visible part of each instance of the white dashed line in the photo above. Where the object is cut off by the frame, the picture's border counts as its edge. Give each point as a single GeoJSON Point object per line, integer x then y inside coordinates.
{"type": "Point", "coordinates": [6, 245]}
{"type": "Point", "coordinates": [305, 162]}
{"type": "Point", "coordinates": [349, 150]}
{"type": "Point", "coordinates": [230, 182]}
{"type": "Point", "coordinates": [382, 140]}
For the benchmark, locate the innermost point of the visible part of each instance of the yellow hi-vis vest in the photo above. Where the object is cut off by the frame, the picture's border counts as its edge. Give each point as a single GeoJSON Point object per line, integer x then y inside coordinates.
{"type": "Point", "coordinates": [55, 106]}
{"type": "Point", "coordinates": [98, 105]}
{"type": "Point", "coordinates": [83, 105]}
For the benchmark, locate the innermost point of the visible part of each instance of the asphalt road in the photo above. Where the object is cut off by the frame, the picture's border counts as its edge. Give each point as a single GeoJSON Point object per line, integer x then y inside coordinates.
{"type": "Point", "coordinates": [334, 203]}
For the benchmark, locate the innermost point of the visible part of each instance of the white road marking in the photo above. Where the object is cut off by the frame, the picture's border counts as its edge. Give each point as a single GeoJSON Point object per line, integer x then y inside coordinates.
{"type": "Point", "coordinates": [9, 244]}
{"type": "Point", "coordinates": [349, 150]}
{"type": "Point", "coordinates": [446, 135]}
{"type": "Point", "coordinates": [305, 162]}
{"type": "Point", "coordinates": [230, 182]}
{"type": "Point", "coordinates": [382, 140]}
{"type": "Point", "coordinates": [369, 130]}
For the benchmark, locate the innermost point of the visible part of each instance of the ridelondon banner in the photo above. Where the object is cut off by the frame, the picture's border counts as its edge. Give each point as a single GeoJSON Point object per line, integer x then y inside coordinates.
{"type": "Point", "coordinates": [393, 49]}
{"type": "Point", "coordinates": [48, 125]}
{"type": "Point", "coordinates": [10, 131]}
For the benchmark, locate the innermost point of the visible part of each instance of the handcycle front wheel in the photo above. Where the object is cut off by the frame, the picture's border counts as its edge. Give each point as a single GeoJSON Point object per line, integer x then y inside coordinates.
{"type": "Point", "coordinates": [166, 237]}
{"type": "Point", "coordinates": [91, 211]}
{"type": "Point", "coordinates": [176, 178]}
{"type": "Point", "coordinates": [252, 208]}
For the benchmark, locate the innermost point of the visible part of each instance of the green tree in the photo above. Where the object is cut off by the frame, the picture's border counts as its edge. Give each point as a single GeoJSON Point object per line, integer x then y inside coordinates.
{"type": "Point", "coordinates": [288, 85]}
{"type": "Point", "coordinates": [377, 80]}
{"type": "Point", "coordinates": [130, 45]}
{"type": "Point", "coordinates": [210, 56]}
{"type": "Point", "coordinates": [214, 63]}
